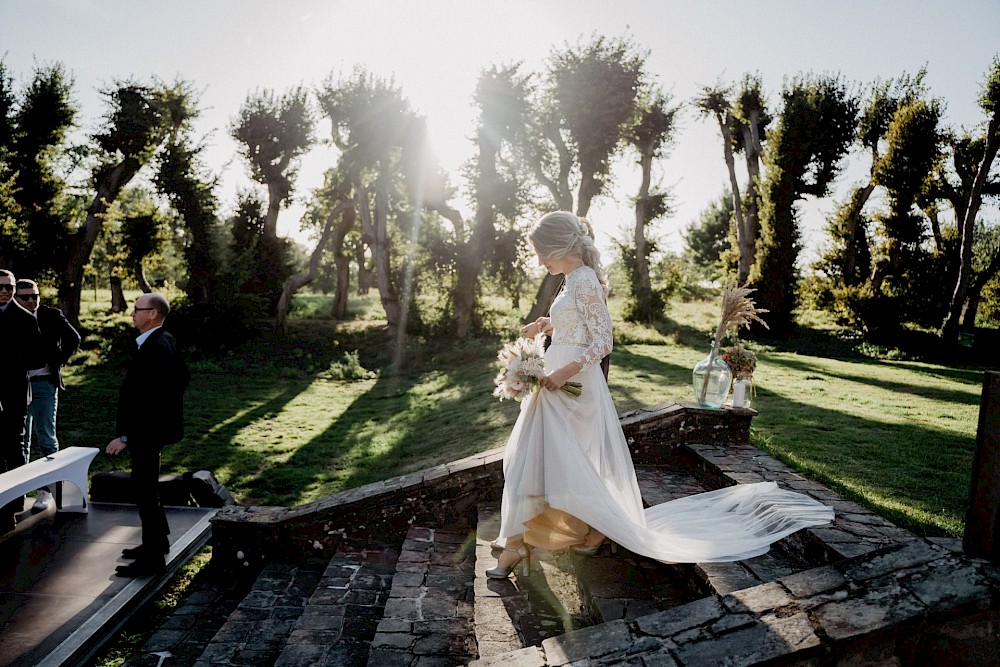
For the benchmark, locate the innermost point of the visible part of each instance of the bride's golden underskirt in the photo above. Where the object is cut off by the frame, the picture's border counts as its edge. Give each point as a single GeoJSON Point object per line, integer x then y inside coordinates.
{"type": "Point", "coordinates": [554, 530]}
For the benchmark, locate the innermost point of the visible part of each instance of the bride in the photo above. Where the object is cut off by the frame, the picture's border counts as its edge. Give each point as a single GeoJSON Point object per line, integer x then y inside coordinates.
{"type": "Point", "coordinates": [568, 476]}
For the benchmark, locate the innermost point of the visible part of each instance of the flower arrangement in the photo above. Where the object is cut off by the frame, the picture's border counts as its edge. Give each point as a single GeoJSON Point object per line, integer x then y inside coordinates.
{"type": "Point", "coordinates": [740, 360]}
{"type": "Point", "coordinates": [738, 309]}
{"type": "Point", "coordinates": [523, 367]}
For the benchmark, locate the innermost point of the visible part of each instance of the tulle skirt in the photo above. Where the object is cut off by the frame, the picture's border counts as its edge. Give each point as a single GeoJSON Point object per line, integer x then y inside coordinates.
{"type": "Point", "coordinates": [569, 454]}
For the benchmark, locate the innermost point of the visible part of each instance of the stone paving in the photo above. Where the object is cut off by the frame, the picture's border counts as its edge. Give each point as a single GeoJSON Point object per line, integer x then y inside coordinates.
{"type": "Point", "coordinates": [428, 618]}
{"type": "Point", "coordinates": [339, 620]}
{"type": "Point", "coordinates": [256, 631]}
{"type": "Point", "coordinates": [180, 640]}
{"type": "Point", "coordinates": [896, 607]}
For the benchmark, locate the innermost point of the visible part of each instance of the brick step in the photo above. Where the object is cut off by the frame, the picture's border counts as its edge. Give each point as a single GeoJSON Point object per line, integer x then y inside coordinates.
{"type": "Point", "coordinates": [301, 613]}
{"type": "Point", "coordinates": [256, 630]}
{"type": "Point", "coordinates": [339, 620]}
{"type": "Point", "coordinates": [428, 617]}
{"type": "Point", "coordinates": [523, 611]}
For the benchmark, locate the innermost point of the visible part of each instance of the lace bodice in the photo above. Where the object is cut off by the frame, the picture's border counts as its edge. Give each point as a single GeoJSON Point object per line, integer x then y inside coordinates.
{"type": "Point", "coordinates": [580, 316]}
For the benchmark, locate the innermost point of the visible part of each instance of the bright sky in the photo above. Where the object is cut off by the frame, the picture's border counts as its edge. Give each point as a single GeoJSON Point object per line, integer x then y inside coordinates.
{"type": "Point", "coordinates": [435, 50]}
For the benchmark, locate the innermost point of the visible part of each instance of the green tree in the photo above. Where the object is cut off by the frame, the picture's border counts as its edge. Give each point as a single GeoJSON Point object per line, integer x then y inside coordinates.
{"type": "Point", "coordinates": [707, 239]}
{"type": "Point", "coordinates": [377, 133]}
{"type": "Point", "coordinates": [913, 149]}
{"type": "Point", "coordinates": [650, 136]}
{"type": "Point", "coordinates": [497, 188]}
{"type": "Point", "coordinates": [580, 121]}
{"type": "Point", "coordinates": [12, 237]}
{"type": "Point", "coordinates": [184, 180]}
{"type": "Point", "coordinates": [273, 134]}
{"type": "Point", "coordinates": [847, 262]}
{"type": "Point", "coordinates": [971, 200]}
{"type": "Point", "coordinates": [33, 144]}
{"type": "Point", "coordinates": [803, 155]}
{"type": "Point", "coordinates": [139, 121]}
{"type": "Point", "coordinates": [333, 213]}
{"type": "Point", "coordinates": [743, 124]}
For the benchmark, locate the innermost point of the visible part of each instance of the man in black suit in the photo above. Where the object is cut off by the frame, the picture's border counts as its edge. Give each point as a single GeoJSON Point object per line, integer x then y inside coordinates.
{"type": "Point", "coordinates": [150, 416]}
{"type": "Point", "coordinates": [59, 340]}
{"type": "Point", "coordinates": [22, 351]}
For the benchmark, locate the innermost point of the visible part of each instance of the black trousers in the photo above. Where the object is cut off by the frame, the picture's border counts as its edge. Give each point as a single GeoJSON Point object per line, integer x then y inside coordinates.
{"type": "Point", "coordinates": [145, 479]}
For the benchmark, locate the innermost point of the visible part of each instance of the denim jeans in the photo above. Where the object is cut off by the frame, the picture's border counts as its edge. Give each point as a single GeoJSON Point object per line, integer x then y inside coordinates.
{"type": "Point", "coordinates": [42, 419]}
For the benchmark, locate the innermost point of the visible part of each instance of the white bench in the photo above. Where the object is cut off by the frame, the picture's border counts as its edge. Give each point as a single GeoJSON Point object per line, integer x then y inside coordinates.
{"type": "Point", "coordinates": [66, 465]}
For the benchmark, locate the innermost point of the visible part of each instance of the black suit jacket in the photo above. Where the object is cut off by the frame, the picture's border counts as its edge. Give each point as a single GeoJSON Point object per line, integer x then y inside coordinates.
{"type": "Point", "coordinates": [151, 400]}
{"type": "Point", "coordinates": [21, 346]}
{"type": "Point", "coordinates": [59, 339]}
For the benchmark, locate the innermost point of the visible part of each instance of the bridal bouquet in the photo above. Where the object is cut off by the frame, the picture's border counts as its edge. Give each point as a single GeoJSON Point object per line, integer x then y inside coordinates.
{"type": "Point", "coordinates": [522, 368]}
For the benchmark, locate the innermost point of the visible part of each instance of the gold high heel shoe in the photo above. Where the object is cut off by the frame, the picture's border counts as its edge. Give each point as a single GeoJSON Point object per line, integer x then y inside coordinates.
{"type": "Point", "coordinates": [503, 571]}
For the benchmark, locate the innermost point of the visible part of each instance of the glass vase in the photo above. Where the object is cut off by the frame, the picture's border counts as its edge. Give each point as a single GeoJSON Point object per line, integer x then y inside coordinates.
{"type": "Point", "coordinates": [711, 379]}
{"type": "Point", "coordinates": [742, 390]}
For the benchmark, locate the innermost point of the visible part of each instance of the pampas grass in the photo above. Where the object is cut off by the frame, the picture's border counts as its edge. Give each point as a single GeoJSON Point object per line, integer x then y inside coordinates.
{"type": "Point", "coordinates": [738, 309]}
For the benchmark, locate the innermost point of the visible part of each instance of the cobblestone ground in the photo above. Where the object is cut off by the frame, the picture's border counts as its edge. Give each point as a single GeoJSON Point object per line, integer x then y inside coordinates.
{"type": "Point", "coordinates": [428, 618]}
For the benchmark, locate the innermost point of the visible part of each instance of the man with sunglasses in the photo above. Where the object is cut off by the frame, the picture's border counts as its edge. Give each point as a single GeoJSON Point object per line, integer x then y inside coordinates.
{"type": "Point", "coordinates": [59, 341]}
{"type": "Point", "coordinates": [22, 350]}
{"type": "Point", "coordinates": [150, 416]}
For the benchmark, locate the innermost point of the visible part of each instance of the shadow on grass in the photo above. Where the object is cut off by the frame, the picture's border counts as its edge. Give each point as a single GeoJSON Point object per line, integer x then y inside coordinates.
{"type": "Point", "coordinates": [884, 466]}
{"type": "Point", "coordinates": [622, 358]}
{"type": "Point", "coordinates": [402, 423]}
{"type": "Point", "coordinates": [933, 393]}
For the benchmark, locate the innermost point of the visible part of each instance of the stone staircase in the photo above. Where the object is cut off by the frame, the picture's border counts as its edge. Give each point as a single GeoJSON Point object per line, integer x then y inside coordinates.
{"type": "Point", "coordinates": [404, 580]}
{"type": "Point", "coordinates": [425, 601]}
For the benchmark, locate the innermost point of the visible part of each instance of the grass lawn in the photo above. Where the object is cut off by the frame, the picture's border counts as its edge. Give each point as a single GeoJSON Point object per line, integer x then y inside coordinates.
{"type": "Point", "coordinates": [897, 436]}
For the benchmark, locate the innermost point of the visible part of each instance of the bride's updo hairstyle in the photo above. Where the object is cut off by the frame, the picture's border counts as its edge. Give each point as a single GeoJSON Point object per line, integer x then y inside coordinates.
{"type": "Point", "coordinates": [560, 234]}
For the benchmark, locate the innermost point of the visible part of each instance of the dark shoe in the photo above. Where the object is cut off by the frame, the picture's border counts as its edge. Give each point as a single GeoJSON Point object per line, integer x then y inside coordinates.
{"type": "Point", "coordinates": [133, 553]}
{"type": "Point", "coordinates": [142, 568]}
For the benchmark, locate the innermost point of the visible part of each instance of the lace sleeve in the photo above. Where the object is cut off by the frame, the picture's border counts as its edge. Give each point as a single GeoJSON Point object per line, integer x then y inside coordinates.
{"type": "Point", "coordinates": [589, 300]}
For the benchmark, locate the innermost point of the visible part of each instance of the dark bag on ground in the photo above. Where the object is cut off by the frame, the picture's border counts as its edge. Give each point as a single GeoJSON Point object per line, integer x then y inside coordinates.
{"type": "Point", "coordinates": [189, 489]}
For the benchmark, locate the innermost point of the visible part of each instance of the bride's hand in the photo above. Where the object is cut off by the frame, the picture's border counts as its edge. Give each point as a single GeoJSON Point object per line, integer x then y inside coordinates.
{"type": "Point", "coordinates": [532, 329]}
{"type": "Point", "coordinates": [560, 376]}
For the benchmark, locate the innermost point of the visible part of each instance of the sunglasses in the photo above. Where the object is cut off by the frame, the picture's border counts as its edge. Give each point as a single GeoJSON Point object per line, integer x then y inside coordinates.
{"type": "Point", "coordinates": [26, 297]}
{"type": "Point", "coordinates": [6, 288]}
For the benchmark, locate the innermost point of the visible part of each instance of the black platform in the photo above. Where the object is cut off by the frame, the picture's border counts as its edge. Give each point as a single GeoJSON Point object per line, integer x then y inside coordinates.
{"type": "Point", "coordinates": [59, 597]}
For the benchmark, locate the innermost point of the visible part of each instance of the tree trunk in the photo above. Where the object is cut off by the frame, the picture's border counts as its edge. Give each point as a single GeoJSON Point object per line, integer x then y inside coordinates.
{"type": "Point", "coordinates": [342, 263]}
{"type": "Point", "coordinates": [641, 213]}
{"type": "Point", "coordinates": [752, 151]}
{"type": "Point", "coordinates": [118, 304]}
{"type": "Point", "coordinates": [81, 243]}
{"type": "Point", "coordinates": [743, 242]}
{"type": "Point", "coordinates": [275, 195]}
{"type": "Point", "coordinates": [297, 281]}
{"type": "Point", "coordinates": [378, 225]}
{"type": "Point", "coordinates": [976, 291]}
{"type": "Point", "coordinates": [949, 328]}
{"type": "Point", "coordinates": [140, 277]}
{"type": "Point", "coordinates": [852, 276]}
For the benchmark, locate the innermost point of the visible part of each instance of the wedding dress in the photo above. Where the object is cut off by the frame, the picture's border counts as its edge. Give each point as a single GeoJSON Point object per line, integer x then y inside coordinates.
{"type": "Point", "coordinates": [569, 454]}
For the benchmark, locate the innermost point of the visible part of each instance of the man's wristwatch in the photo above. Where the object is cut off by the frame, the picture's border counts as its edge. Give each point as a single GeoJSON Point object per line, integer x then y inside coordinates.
{"type": "Point", "coordinates": [124, 439]}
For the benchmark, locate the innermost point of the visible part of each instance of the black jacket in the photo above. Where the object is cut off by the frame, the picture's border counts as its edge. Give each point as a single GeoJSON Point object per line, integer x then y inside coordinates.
{"type": "Point", "coordinates": [59, 340]}
{"type": "Point", "coordinates": [151, 399]}
{"type": "Point", "coordinates": [21, 345]}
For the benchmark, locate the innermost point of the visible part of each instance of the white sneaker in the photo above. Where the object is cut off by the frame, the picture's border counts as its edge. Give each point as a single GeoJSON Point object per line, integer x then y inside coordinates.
{"type": "Point", "coordinates": [42, 501]}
